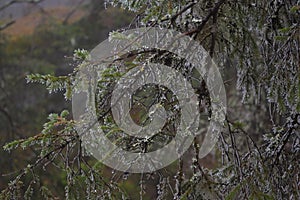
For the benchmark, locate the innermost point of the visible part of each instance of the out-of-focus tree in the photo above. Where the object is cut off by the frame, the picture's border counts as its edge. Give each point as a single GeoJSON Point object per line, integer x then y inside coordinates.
{"type": "Point", "coordinates": [259, 151]}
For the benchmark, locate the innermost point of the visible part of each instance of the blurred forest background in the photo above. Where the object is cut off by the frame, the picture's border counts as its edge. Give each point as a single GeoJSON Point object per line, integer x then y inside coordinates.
{"type": "Point", "coordinates": [257, 54]}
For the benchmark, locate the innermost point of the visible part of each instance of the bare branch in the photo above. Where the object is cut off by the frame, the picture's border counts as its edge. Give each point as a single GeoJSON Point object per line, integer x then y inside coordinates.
{"type": "Point", "coordinates": [72, 11]}
{"type": "Point", "coordinates": [214, 11]}
{"type": "Point", "coordinates": [9, 3]}
{"type": "Point", "coordinates": [4, 26]}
